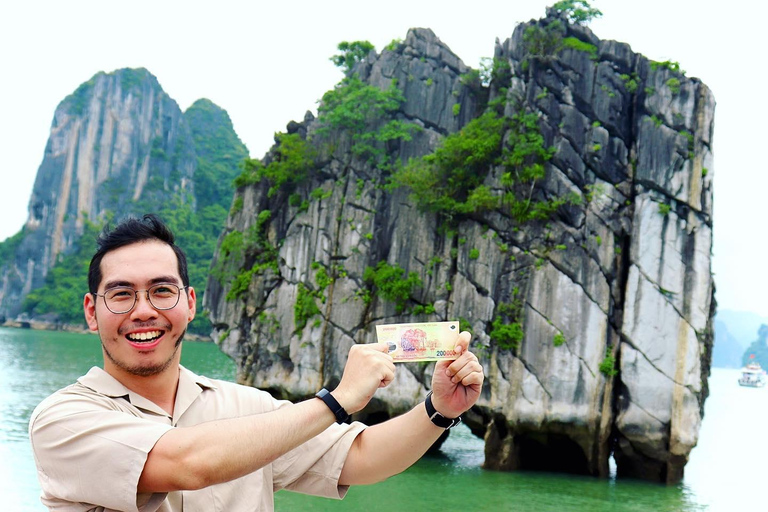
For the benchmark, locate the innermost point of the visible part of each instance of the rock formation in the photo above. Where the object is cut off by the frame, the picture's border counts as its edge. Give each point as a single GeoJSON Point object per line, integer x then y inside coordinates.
{"type": "Point", "coordinates": [118, 145]}
{"type": "Point", "coordinates": [591, 318]}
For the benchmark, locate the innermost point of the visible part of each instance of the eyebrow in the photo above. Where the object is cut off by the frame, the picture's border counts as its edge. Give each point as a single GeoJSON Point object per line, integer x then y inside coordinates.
{"type": "Point", "coordinates": [160, 279]}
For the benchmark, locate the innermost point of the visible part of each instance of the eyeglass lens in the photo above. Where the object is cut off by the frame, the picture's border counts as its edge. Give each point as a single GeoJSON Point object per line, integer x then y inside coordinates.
{"type": "Point", "coordinates": [123, 298]}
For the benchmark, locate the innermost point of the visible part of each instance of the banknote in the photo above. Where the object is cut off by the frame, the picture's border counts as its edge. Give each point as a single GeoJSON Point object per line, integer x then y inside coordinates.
{"type": "Point", "coordinates": [428, 341]}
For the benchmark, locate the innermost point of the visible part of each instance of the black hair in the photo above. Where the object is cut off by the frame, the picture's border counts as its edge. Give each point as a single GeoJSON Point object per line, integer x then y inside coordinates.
{"type": "Point", "coordinates": [130, 231]}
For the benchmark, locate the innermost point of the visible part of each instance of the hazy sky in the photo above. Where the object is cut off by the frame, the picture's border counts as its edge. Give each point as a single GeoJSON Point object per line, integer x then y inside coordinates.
{"type": "Point", "coordinates": [266, 63]}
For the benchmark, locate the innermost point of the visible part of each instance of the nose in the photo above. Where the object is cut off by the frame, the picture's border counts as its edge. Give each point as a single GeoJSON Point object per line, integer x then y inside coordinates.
{"type": "Point", "coordinates": [143, 309]}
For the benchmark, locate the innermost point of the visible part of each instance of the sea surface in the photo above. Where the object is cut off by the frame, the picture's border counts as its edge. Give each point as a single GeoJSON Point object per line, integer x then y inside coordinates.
{"type": "Point", "coordinates": [725, 472]}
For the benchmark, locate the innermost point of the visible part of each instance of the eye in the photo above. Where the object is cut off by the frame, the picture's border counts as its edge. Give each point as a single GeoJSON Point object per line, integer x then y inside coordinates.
{"type": "Point", "coordinates": [117, 294]}
{"type": "Point", "coordinates": [163, 290]}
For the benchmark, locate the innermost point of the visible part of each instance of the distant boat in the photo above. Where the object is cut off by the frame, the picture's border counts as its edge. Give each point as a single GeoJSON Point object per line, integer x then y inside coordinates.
{"type": "Point", "coordinates": [752, 376]}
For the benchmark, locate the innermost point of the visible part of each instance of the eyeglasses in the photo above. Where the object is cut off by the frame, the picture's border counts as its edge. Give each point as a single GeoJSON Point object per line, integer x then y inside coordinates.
{"type": "Point", "coordinates": [122, 299]}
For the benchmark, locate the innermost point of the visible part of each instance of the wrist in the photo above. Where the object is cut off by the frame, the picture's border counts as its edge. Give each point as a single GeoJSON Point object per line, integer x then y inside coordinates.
{"type": "Point", "coordinates": [336, 408]}
{"type": "Point", "coordinates": [438, 418]}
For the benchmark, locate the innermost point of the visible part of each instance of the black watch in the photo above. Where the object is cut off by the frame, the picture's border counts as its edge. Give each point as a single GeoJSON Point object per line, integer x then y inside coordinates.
{"type": "Point", "coordinates": [333, 405]}
{"type": "Point", "coordinates": [437, 418]}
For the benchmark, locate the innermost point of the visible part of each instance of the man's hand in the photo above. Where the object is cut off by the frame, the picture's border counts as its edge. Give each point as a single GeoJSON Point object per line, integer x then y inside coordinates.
{"type": "Point", "coordinates": [368, 368]}
{"type": "Point", "coordinates": [388, 448]}
{"type": "Point", "coordinates": [456, 384]}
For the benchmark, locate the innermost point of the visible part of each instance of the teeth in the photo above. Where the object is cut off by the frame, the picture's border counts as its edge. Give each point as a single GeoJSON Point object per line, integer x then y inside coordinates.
{"type": "Point", "coordinates": [144, 336]}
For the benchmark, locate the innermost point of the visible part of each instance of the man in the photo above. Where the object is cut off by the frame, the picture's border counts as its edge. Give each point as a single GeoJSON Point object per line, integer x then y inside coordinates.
{"type": "Point", "coordinates": [144, 433]}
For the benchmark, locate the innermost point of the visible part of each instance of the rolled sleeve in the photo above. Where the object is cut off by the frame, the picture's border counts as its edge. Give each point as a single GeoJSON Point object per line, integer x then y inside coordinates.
{"type": "Point", "coordinates": [90, 452]}
{"type": "Point", "coordinates": [315, 466]}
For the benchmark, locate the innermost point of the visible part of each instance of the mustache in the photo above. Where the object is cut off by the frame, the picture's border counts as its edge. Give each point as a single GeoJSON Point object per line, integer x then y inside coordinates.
{"type": "Point", "coordinates": [144, 325]}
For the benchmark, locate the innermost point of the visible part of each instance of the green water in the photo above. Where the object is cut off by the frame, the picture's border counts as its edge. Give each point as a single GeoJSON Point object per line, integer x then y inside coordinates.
{"type": "Point", "coordinates": [724, 472]}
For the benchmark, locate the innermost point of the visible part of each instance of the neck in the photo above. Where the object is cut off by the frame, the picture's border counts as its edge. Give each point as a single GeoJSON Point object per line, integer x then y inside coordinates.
{"type": "Point", "coordinates": [159, 388]}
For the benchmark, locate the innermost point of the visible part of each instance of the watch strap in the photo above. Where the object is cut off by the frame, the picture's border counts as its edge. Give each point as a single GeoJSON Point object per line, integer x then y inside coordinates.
{"type": "Point", "coordinates": [437, 418]}
{"type": "Point", "coordinates": [335, 407]}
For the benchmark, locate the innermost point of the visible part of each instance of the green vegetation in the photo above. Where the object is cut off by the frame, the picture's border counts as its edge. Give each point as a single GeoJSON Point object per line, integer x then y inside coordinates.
{"type": "Point", "coordinates": [9, 246]}
{"type": "Point", "coordinates": [450, 180]}
{"type": "Point", "coordinates": [543, 42]}
{"type": "Point", "coordinates": [608, 364]}
{"type": "Point", "coordinates": [293, 160]}
{"type": "Point", "coordinates": [306, 298]}
{"type": "Point", "coordinates": [77, 102]}
{"type": "Point", "coordinates": [253, 248]}
{"type": "Point", "coordinates": [220, 155]}
{"type": "Point", "coordinates": [630, 82]}
{"type": "Point", "coordinates": [491, 70]}
{"type": "Point", "coordinates": [559, 339]}
{"type": "Point", "coordinates": [580, 46]}
{"type": "Point", "coordinates": [507, 329]}
{"type": "Point", "coordinates": [427, 309]}
{"type": "Point", "coordinates": [674, 85]}
{"type": "Point", "coordinates": [667, 64]}
{"type": "Point", "coordinates": [394, 44]}
{"type": "Point", "coordinates": [352, 53]}
{"type": "Point", "coordinates": [237, 206]}
{"type": "Point", "coordinates": [132, 78]}
{"type": "Point", "coordinates": [305, 308]}
{"type": "Point", "coordinates": [392, 284]}
{"type": "Point", "coordinates": [664, 209]}
{"type": "Point", "coordinates": [365, 114]}
{"type": "Point", "coordinates": [66, 283]}
{"type": "Point", "coordinates": [577, 11]}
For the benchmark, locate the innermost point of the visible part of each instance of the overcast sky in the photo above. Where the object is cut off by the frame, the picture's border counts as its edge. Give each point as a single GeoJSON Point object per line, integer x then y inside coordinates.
{"type": "Point", "coordinates": [266, 63]}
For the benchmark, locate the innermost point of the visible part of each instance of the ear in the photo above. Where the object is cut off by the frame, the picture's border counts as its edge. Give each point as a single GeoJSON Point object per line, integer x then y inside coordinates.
{"type": "Point", "coordinates": [191, 303]}
{"type": "Point", "coordinates": [89, 308]}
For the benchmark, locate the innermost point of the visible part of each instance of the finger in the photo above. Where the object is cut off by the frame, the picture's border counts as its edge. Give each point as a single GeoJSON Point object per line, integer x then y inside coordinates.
{"type": "Point", "coordinates": [388, 376]}
{"type": "Point", "coordinates": [381, 347]}
{"type": "Point", "coordinates": [473, 379]}
{"type": "Point", "coordinates": [455, 366]}
{"type": "Point", "coordinates": [462, 343]}
{"type": "Point", "coordinates": [468, 373]}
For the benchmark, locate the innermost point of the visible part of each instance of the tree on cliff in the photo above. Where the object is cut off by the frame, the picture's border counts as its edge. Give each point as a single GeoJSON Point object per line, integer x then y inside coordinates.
{"type": "Point", "coordinates": [351, 53]}
{"type": "Point", "coordinates": [577, 11]}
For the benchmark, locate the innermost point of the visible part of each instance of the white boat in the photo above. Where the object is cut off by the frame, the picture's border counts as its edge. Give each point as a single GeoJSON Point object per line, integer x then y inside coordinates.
{"type": "Point", "coordinates": [752, 376]}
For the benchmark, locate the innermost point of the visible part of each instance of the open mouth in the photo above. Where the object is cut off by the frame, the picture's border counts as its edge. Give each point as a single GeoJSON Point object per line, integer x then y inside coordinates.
{"type": "Point", "coordinates": [144, 337]}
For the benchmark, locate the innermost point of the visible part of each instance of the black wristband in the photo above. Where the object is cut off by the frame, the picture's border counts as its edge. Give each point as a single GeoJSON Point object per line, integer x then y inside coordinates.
{"type": "Point", "coordinates": [333, 405]}
{"type": "Point", "coordinates": [437, 418]}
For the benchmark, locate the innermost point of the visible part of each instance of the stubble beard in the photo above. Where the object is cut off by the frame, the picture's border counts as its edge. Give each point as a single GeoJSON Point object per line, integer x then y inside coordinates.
{"type": "Point", "coordinates": [145, 371]}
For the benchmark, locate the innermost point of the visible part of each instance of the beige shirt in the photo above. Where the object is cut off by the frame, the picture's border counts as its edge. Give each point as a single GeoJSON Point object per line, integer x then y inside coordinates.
{"type": "Point", "coordinates": [91, 439]}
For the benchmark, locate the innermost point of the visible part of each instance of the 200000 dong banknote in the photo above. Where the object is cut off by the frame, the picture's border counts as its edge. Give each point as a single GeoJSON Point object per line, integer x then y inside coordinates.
{"type": "Point", "coordinates": [429, 341]}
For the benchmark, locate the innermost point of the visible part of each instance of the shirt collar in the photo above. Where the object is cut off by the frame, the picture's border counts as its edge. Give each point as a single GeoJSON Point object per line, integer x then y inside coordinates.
{"type": "Point", "coordinates": [189, 387]}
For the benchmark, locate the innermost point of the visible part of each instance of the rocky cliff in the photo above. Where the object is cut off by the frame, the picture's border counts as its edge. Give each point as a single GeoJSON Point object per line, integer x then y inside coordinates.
{"type": "Point", "coordinates": [576, 247]}
{"type": "Point", "coordinates": [118, 145]}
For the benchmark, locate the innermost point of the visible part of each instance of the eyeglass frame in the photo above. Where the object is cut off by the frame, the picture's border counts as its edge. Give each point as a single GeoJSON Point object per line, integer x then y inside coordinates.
{"type": "Point", "coordinates": [136, 297]}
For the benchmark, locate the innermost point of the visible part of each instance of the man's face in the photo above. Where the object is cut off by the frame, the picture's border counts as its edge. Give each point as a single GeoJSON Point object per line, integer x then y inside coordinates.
{"type": "Point", "coordinates": [144, 341]}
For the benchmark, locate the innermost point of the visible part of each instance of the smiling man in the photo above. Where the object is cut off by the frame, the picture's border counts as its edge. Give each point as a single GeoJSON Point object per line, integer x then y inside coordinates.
{"type": "Point", "coordinates": [144, 433]}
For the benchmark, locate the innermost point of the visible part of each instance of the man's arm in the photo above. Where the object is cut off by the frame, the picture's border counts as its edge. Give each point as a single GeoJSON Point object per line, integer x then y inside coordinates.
{"type": "Point", "coordinates": [391, 447]}
{"type": "Point", "coordinates": [219, 451]}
